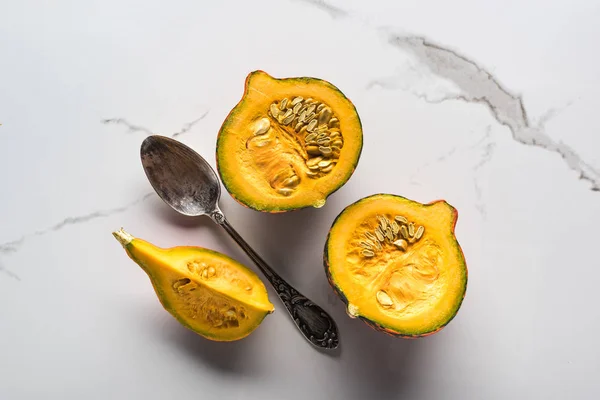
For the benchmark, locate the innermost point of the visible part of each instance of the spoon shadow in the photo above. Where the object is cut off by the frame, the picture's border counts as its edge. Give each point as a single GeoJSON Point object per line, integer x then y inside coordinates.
{"type": "Point", "coordinates": [196, 226]}
{"type": "Point", "coordinates": [288, 238]}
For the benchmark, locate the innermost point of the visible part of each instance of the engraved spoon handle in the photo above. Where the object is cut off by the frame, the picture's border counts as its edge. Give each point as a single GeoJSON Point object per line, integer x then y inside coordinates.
{"type": "Point", "coordinates": [314, 323]}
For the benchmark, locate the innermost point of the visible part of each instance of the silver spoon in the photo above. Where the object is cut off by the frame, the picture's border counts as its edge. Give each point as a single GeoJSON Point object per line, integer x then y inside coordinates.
{"type": "Point", "coordinates": [187, 183]}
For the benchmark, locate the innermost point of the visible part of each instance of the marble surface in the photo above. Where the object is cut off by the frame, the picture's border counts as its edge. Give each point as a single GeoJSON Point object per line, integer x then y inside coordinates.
{"type": "Point", "coordinates": [489, 105]}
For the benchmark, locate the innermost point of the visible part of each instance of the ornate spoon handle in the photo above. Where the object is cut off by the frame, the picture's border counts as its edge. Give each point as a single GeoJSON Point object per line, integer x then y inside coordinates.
{"type": "Point", "coordinates": [314, 323]}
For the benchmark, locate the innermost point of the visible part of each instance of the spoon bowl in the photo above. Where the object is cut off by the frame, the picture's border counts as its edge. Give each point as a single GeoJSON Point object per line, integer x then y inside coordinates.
{"type": "Point", "coordinates": [183, 179]}
{"type": "Point", "coordinates": [189, 185]}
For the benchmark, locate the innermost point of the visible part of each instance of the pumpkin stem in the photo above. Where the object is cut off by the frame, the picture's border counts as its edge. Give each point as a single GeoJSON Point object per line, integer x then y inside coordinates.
{"type": "Point", "coordinates": [123, 237]}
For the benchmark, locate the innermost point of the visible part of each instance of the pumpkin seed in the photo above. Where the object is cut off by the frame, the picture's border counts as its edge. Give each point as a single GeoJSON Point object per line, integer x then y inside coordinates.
{"type": "Point", "coordinates": [411, 229]}
{"type": "Point", "coordinates": [313, 167]}
{"type": "Point", "coordinates": [309, 117]}
{"type": "Point", "coordinates": [395, 227]}
{"type": "Point", "coordinates": [311, 137]}
{"type": "Point", "coordinates": [297, 108]}
{"type": "Point", "coordinates": [401, 244]}
{"type": "Point", "coordinates": [302, 116]}
{"type": "Point", "coordinates": [321, 128]}
{"type": "Point", "coordinates": [419, 232]}
{"type": "Point", "coordinates": [324, 116]}
{"type": "Point", "coordinates": [309, 100]}
{"type": "Point", "coordinates": [382, 222]}
{"type": "Point", "coordinates": [334, 134]}
{"type": "Point", "coordinates": [324, 163]}
{"type": "Point", "coordinates": [310, 109]}
{"type": "Point", "coordinates": [334, 122]}
{"type": "Point", "coordinates": [401, 219]}
{"type": "Point", "coordinates": [389, 234]}
{"type": "Point", "coordinates": [292, 181]}
{"type": "Point", "coordinates": [288, 119]}
{"type": "Point", "coordinates": [320, 107]}
{"type": "Point", "coordinates": [379, 235]}
{"type": "Point", "coordinates": [314, 161]}
{"type": "Point", "coordinates": [404, 231]}
{"type": "Point", "coordinates": [285, 191]}
{"type": "Point", "coordinates": [311, 126]}
{"type": "Point", "coordinates": [384, 299]}
{"type": "Point", "coordinates": [283, 104]}
{"type": "Point", "coordinates": [366, 245]}
{"type": "Point", "coordinates": [298, 126]}
{"type": "Point", "coordinates": [181, 282]}
{"type": "Point", "coordinates": [274, 110]}
{"type": "Point", "coordinates": [324, 141]}
{"type": "Point", "coordinates": [297, 100]}
{"type": "Point", "coordinates": [328, 169]}
{"type": "Point", "coordinates": [262, 126]}
{"type": "Point", "coordinates": [325, 150]}
{"type": "Point", "coordinates": [211, 271]}
{"type": "Point", "coordinates": [370, 242]}
{"type": "Point", "coordinates": [368, 253]}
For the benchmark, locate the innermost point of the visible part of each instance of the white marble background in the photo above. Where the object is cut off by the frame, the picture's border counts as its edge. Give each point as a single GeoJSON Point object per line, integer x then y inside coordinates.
{"type": "Point", "coordinates": [490, 105]}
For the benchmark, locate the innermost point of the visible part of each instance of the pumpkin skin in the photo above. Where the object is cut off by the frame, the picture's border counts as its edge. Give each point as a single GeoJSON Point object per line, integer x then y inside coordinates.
{"type": "Point", "coordinates": [423, 279]}
{"type": "Point", "coordinates": [206, 291]}
{"type": "Point", "coordinates": [273, 163]}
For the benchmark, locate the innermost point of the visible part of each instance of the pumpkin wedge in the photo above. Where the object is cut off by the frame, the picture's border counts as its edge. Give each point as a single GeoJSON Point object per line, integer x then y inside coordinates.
{"type": "Point", "coordinates": [206, 291]}
{"type": "Point", "coordinates": [288, 144]}
{"type": "Point", "coordinates": [397, 264]}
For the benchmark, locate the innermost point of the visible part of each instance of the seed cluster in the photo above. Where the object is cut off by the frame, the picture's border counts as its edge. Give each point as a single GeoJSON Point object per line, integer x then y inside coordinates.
{"type": "Point", "coordinates": [201, 269]}
{"type": "Point", "coordinates": [316, 125]}
{"type": "Point", "coordinates": [214, 310]}
{"type": "Point", "coordinates": [399, 232]}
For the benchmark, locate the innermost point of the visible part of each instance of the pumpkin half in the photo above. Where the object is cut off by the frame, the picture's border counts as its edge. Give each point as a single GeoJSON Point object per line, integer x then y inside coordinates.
{"type": "Point", "coordinates": [288, 144]}
{"type": "Point", "coordinates": [206, 291]}
{"type": "Point", "coordinates": [397, 264]}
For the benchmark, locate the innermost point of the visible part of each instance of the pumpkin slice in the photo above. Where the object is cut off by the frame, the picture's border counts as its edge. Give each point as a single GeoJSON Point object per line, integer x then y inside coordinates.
{"type": "Point", "coordinates": [288, 144]}
{"type": "Point", "coordinates": [208, 292]}
{"type": "Point", "coordinates": [396, 264]}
